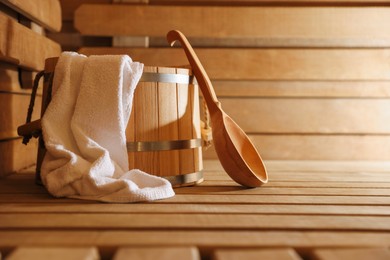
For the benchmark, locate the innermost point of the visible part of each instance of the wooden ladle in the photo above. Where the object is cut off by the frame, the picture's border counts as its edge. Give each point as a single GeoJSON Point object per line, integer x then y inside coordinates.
{"type": "Point", "coordinates": [235, 151]}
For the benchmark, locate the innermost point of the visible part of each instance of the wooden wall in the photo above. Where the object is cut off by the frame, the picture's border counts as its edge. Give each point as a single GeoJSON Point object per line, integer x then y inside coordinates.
{"type": "Point", "coordinates": [23, 49]}
{"type": "Point", "coordinates": [306, 79]}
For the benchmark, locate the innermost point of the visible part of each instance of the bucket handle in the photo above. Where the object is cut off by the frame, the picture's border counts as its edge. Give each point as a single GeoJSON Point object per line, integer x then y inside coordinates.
{"type": "Point", "coordinates": [30, 129]}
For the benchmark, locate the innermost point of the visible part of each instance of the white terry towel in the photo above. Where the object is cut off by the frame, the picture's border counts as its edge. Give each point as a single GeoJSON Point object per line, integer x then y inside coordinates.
{"type": "Point", "coordinates": [84, 132]}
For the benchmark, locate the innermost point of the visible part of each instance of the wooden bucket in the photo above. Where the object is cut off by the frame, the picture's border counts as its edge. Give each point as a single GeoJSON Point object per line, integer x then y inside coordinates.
{"type": "Point", "coordinates": [163, 133]}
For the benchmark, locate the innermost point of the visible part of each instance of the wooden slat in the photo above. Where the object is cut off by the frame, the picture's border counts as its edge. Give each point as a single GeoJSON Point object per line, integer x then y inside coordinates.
{"type": "Point", "coordinates": [309, 115]}
{"type": "Point", "coordinates": [325, 177]}
{"type": "Point", "coordinates": [15, 156]}
{"type": "Point", "coordinates": [152, 253]}
{"type": "Point", "coordinates": [213, 239]}
{"type": "Point", "coordinates": [68, 7]}
{"type": "Point", "coordinates": [236, 190]}
{"type": "Point", "coordinates": [319, 147]}
{"type": "Point", "coordinates": [60, 253]}
{"type": "Point", "coordinates": [280, 199]}
{"type": "Point", "coordinates": [221, 199]}
{"type": "Point", "coordinates": [352, 253]}
{"type": "Point", "coordinates": [71, 208]}
{"type": "Point", "coordinates": [13, 113]}
{"type": "Point", "coordinates": [270, 64]}
{"type": "Point", "coordinates": [254, 254]}
{"type": "Point", "coordinates": [44, 12]}
{"type": "Point", "coordinates": [264, 2]}
{"type": "Point", "coordinates": [21, 46]}
{"type": "Point", "coordinates": [288, 89]}
{"type": "Point", "coordinates": [314, 167]}
{"type": "Point", "coordinates": [267, 22]}
{"type": "Point", "coordinates": [16, 80]}
{"type": "Point", "coordinates": [194, 221]}
{"type": "Point", "coordinates": [304, 42]}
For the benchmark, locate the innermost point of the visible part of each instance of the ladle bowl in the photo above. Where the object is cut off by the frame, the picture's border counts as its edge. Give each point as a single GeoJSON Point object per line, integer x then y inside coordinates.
{"type": "Point", "coordinates": [236, 153]}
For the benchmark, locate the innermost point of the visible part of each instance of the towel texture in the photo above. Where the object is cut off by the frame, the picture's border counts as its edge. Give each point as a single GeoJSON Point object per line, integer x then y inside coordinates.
{"type": "Point", "coordinates": [84, 132]}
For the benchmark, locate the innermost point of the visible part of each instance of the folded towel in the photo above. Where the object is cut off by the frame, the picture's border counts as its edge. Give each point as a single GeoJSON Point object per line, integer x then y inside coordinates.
{"type": "Point", "coordinates": [84, 132]}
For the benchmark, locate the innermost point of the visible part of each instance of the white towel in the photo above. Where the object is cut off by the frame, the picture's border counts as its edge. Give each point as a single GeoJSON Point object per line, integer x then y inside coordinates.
{"type": "Point", "coordinates": [84, 132]}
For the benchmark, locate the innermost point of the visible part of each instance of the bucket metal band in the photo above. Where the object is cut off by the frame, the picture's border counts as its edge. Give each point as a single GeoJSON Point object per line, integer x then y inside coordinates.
{"type": "Point", "coordinates": [185, 179]}
{"type": "Point", "coordinates": [163, 145]}
{"type": "Point", "coordinates": [166, 78]}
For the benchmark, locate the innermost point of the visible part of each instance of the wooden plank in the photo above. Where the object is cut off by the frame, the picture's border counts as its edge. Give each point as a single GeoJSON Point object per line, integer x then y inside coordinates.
{"type": "Point", "coordinates": [155, 208]}
{"type": "Point", "coordinates": [253, 254]}
{"type": "Point", "coordinates": [278, 199]}
{"type": "Point", "coordinates": [269, 64]}
{"type": "Point", "coordinates": [13, 113]}
{"type": "Point", "coordinates": [319, 147]}
{"type": "Point", "coordinates": [210, 239]}
{"type": "Point", "coordinates": [23, 47]}
{"type": "Point", "coordinates": [320, 166]}
{"type": "Point", "coordinates": [15, 156]}
{"type": "Point", "coordinates": [304, 42]}
{"type": "Point", "coordinates": [106, 221]}
{"type": "Point", "coordinates": [9, 79]}
{"type": "Point", "coordinates": [221, 199]}
{"type": "Point", "coordinates": [266, 2]}
{"type": "Point", "coordinates": [60, 253]}
{"type": "Point", "coordinates": [325, 177]}
{"type": "Point", "coordinates": [237, 190]}
{"type": "Point", "coordinates": [221, 21]}
{"type": "Point", "coordinates": [152, 253]}
{"type": "Point", "coordinates": [46, 13]}
{"type": "Point", "coordinates": [213, 181]}
{"type": "Point", "coordinates": [19, 183]}
{"type": "Point", "coordinates": [352, 253]}
{"type": "Point", "coordinates": [309, 115]}
{"type": "Point", "coordinates": [314, 166]}
{"type": "Point", "coordinates": [289, 89]}
{"type": "Point", "coordinates": [68, 7]}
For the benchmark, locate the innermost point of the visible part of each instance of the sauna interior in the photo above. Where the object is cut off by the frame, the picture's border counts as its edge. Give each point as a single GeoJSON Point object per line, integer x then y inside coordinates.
{"type": "Point", "coordinates": [307, 80]}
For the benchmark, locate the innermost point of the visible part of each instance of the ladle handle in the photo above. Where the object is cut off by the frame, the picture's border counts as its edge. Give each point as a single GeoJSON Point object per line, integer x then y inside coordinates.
{"type": "Point", "coordinates": [200, 73]}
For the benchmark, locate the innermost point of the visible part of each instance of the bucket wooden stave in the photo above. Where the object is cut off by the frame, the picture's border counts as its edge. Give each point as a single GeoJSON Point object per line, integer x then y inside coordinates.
{"type": "Point", "coordinates": [163, 134]}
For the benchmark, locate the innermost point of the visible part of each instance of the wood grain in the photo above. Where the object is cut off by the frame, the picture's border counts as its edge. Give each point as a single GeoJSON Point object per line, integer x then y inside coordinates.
{"type": "Point", "coordinates": [289, 89]}
{"type": "Point", "coordinates": [71, 208]}
{"type": "Point", "coordinates": [303, 209]}
{"type": "Point", "coordinates": [221, 21]}
{"type": "Point", "coordinates": [23, 47]}
{"type": "Point", "coordinates": [168, 128]}
{"type": "Point", "coordinates": [269, 64]}
{"type": "Point", "coordinates": [253, 254]}
{"type": "Point", "coordinates": [13, 113]}
{"type": "Point", "coordinates": [195, 221]}
{"type": "Point", "coordinates": [60, 253]}
{"type": "Point", "coordinates": [319, 147]}
{"type": "Point", "coordinates": [310, 115]}
{"type": "Point", "coordinates": [352, 253]}
{"type": "Point", "coordinates": [267, 2]}
{"type": "Point", "coordinates": [213, 238]}
{"type": "Point", "coordinates": [15, 156]}
{"type": "Point", "coordinates": [163, 253]}
{"type": "Point", "coordinates": [146, 124]}
{"type": "Point", "coordinates": [46, 13]}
